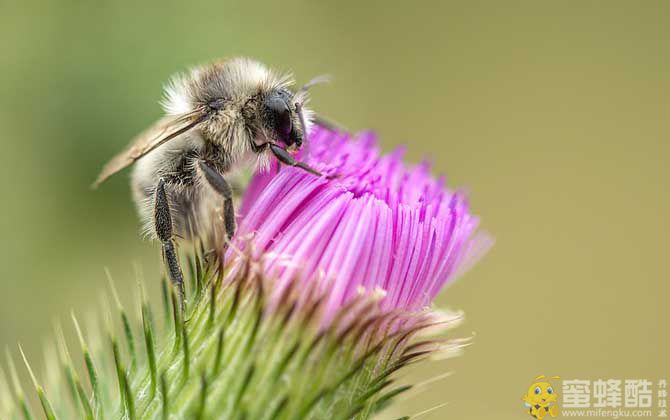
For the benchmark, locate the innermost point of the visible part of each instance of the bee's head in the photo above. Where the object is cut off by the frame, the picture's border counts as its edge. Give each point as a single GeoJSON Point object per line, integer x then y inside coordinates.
{"type": "Point", "coordinates": [282, 118]}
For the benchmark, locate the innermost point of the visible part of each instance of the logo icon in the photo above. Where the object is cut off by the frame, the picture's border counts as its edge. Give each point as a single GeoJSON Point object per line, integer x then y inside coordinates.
{"type": "Point", "coordinates": [541, 398]}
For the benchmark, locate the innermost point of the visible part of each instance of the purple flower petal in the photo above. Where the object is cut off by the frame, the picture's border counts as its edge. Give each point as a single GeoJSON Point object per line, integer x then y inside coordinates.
{"type": "Point", "coordinates": [376, 225]}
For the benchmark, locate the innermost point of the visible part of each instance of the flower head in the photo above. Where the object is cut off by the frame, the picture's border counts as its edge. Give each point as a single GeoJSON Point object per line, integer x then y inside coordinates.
{"type": "Point", "coordinates": [374, 224]}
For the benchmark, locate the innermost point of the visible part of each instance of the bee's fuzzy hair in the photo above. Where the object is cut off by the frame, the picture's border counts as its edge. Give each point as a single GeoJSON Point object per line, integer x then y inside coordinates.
{"type": "Point", "coordinates": [233, 79]}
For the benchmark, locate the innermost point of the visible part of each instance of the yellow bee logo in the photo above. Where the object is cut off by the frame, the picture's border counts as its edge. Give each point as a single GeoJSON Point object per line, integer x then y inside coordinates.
{"type": "Point", "coordinates": [541, 399]}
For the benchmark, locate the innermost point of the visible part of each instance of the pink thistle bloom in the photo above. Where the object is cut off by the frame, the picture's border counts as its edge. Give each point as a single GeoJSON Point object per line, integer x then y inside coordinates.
{"type": "Point", "coordinates": [377, 224]}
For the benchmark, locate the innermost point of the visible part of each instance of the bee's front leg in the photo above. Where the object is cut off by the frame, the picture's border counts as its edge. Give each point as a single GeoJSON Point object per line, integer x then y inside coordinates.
{"type": "Point", "coordinates": [163, 226]}
{"type": "Point", "coordinates": [222, 187]}
{"type": "Point", "coordinates": [286, 158]}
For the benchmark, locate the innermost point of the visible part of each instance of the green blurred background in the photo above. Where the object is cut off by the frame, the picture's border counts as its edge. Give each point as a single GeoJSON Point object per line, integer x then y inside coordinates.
{"type": "Point", "coordinates": [554, 115]}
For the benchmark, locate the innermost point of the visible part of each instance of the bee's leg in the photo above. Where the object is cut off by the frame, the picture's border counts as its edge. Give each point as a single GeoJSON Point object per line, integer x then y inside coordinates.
{"type": "Point", "coordinates": [286, 158]}
{"type": "Point", "coordinates": [222, 187]}
{"type": "Point", "coordinates": [163, 226]}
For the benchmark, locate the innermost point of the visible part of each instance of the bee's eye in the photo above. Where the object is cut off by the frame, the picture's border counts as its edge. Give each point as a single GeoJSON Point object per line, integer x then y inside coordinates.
{"type": "Point", "coordinates": [280, 114]}
{"type": "Point", "coordinates": [538, 390]}
{"type": "Point", "coordinates": [550, 390]}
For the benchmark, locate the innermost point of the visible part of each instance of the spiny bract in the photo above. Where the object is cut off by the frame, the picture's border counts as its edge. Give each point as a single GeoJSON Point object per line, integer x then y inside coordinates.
{"type": "Point", "coordinates": [228, 354]}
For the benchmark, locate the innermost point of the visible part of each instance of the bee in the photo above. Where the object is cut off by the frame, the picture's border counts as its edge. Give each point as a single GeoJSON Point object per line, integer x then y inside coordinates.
{"type": "Point", "coordinates": [219, 118]}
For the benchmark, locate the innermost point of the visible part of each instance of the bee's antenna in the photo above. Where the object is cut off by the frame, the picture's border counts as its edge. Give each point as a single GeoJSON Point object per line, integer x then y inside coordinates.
{"type": "Point", "coordinates": [324, 78]}
{"type": "Point", "coordinates": [305, 140]}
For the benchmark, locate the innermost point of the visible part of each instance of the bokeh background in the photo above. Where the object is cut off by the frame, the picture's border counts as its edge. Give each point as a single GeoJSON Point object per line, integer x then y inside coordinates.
{"type": "Point", "coordinates": [554, 115]}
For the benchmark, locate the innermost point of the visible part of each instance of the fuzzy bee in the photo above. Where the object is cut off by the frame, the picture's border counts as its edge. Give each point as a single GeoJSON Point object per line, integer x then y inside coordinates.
{"type": "Point", "coordinates": [218, 117]}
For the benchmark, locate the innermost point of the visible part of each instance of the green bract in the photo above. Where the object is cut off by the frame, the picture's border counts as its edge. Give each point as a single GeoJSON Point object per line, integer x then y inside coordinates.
{"type": "Point", "coordinates": [226, 353]}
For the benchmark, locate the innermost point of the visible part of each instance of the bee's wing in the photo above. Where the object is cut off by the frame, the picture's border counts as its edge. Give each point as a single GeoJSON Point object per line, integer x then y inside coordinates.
{"type": "Point", "coordinates": [162, 131]}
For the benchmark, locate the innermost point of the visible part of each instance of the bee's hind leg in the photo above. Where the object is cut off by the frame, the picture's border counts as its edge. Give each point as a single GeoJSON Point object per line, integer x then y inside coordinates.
{"type": "Point", "coordinates": [222, 187]}
{"type": "Point", "coordinates": [163, 226]}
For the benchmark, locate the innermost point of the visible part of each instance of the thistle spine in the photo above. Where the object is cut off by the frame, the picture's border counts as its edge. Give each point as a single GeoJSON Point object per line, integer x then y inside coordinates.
{"type": "Point", "coordinates": [209, 355]}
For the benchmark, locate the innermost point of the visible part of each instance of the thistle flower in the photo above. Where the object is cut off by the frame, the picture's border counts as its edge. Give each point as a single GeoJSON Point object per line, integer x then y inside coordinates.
{"type": "Point", "coordinates": [323, 297]}
{"type": "Point", "coordinates": [375, 225]}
